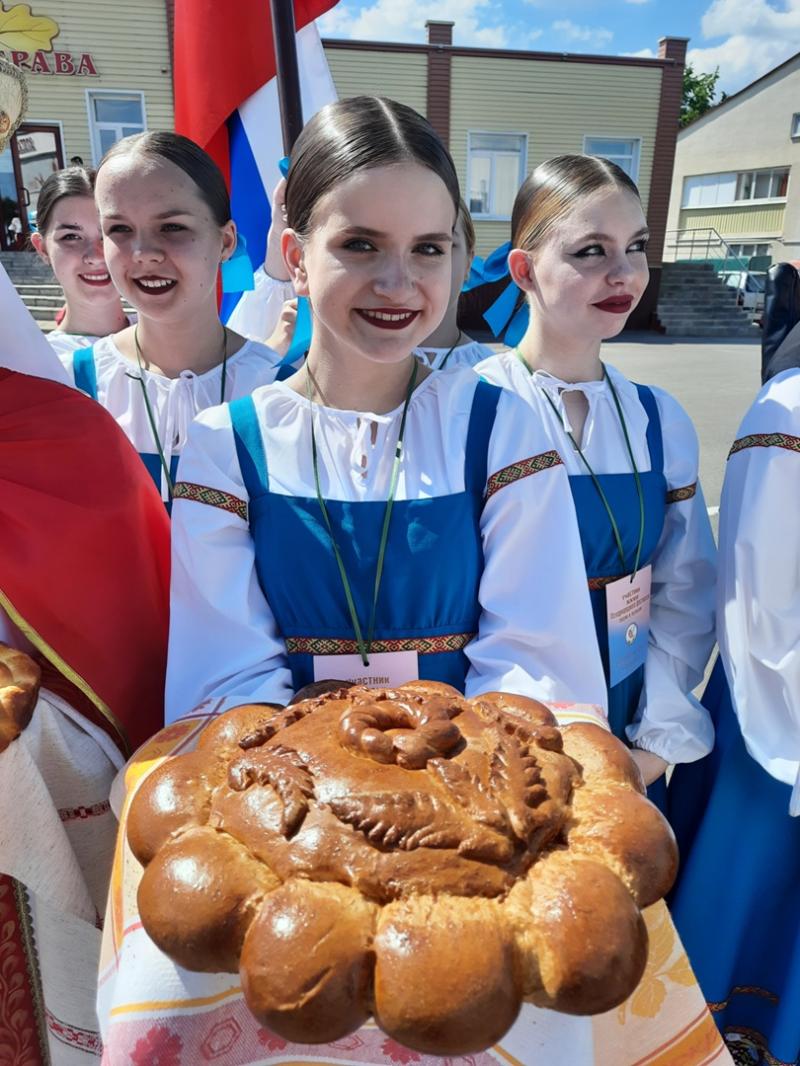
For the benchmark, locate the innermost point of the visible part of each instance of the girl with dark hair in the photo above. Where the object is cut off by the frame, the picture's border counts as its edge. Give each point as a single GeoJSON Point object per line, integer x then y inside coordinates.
{"type": "Point", "coordinates": [579, 241]}
{"type": "Point", "coordinates": [69, 239]}
{"type": "Point", "coordinates": [166, 225]}
{"type": "Point", "coordinates": [258, 312]}
{"type": "Point", "coordinates": [367, 505]}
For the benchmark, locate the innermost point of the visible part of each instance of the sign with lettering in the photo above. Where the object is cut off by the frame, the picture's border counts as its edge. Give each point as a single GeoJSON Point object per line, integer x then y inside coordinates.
{"type": "Point", "coordinates": [26, 40]}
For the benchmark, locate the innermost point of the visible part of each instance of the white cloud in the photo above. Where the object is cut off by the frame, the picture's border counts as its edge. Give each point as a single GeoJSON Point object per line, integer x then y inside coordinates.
{"type": "Point", "coordinates": [388, 20]}
{"type": "Point", "coordinates": [643, 53]}
{"type": "Point", "coordinates": [591, 36]}
{"type": "Point", "coordinates": [759, 35]}
{"type": "Point", "coordinates": [637, 1]}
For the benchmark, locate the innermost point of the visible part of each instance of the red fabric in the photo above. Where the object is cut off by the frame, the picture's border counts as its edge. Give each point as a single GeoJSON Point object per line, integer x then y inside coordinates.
{"type": "Point", "coordinates": [84, 548]}
{"type": "Point", "coordinates": [223, 54]}
{"type": "Point", "coordinates": [21, 1022]}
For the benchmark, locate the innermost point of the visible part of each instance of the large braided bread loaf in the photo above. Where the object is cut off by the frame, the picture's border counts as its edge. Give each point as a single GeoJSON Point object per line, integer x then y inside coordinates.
{"type": "Point", "coordinates": [19, 689]}
{"type": "Point", "coordinates": [406, 853]}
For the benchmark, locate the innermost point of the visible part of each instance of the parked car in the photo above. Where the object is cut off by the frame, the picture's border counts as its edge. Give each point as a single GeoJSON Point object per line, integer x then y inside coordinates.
{"type": "Point", "coordinates": [749, 290]}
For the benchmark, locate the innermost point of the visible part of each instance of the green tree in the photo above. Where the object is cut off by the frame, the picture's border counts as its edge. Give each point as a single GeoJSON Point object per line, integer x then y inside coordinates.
{"type": "Point", "coordinates": [699, 91]}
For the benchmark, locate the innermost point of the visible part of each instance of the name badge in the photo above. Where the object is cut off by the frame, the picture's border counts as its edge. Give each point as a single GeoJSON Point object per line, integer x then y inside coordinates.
{"type": "Point", "coordinates": [387, 669]}
{"type": "Point", "coordinates": [628, 617]}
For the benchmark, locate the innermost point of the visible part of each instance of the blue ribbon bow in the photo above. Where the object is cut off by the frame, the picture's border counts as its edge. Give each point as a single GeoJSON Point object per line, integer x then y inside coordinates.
{"type": "Point", "coordinates": [506, 321]}
{"type": "Point", "coordinates": [237, 272]}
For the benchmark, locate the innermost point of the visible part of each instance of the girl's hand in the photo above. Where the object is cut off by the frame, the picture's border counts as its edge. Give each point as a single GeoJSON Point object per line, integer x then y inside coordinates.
{"type": "Point", "coordinates": [651, 766]}
{"type": "Point", "coordinates": [281, 336]}
{"type": "Point", "coordinates": [274, 264]}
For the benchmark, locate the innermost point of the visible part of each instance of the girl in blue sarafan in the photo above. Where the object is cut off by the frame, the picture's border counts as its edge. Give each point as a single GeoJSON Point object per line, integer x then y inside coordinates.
{"type": "Point", "coordinates": [737, 813]}
{"type": "Point", "coordinates": [369, 518]}
{"type": "Point", "coordinates": [167, 231]}
{"type": "Point", "coordinates": [578, 253]}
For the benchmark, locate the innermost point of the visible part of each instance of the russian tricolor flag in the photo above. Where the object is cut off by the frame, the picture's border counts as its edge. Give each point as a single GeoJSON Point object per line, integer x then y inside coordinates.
{"type": "Point", "coordinates": [226, 99]}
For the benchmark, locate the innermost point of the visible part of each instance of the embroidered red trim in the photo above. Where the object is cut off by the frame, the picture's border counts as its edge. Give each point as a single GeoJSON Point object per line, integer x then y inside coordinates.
{"type": "Point", "coordinates": [524, 468]}
{"type": "Point", "coordinates": [601, 582]}
{"type": "Point", "coordinates": [72, 1036]}
{"type": "Point", "coordinates": [73, 814]}
{"type": "Point", "coordinates": [766, 440]}
{"type": "Point", "coordinates": [345, 646]}
{"type": "Point", "coordinates": [685, 493]}
{"type": "Point", "coordinates": [188, 490]}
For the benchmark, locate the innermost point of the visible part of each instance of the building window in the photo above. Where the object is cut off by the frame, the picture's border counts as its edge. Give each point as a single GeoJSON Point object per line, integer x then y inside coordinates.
{"type": "Point", "coordinates": [495, 170]}
{"type": "Point", "coordinates": [625, 153]}
{"type": "Point", "coordinates": [113, 116]}
{"type": "Point", "coordinates": [796, 126]}
{"type": "Point", "coordinates": [762, 184]}
{"type": "Point", "coordinates": [746, 251]}
{"type": "Point", "coordinates": [706, 190]}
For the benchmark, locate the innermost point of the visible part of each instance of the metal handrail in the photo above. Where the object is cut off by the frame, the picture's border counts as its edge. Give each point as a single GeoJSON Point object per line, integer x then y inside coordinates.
{"type": "Point", "coordinates": [708, 236]}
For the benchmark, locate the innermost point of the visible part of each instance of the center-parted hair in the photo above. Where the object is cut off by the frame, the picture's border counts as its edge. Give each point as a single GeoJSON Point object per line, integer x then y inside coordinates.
{"type": "Point", "coordinates": [188, 157]}
{"type": "Point", "coordinates": [71, 181]}
{"type": "Point", "coordinates": [359, 133]}
{"type": "Point", "coordinates": [552, 190]}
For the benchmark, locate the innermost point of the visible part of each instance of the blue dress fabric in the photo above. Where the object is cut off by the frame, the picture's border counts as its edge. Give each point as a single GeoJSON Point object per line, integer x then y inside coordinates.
{"type": "Point", "coordinates": [428, 598]}
{"type": "Point", "coordinates": [84, 370]}
{"type": "Point", "coordinates": [736, 903]}
{"type": "Point", "coordinates": [602, 558]}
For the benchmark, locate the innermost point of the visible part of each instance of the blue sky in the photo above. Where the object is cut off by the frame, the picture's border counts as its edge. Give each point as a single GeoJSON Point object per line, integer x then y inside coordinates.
{"type": "Point", "coordinates": [744, 38]}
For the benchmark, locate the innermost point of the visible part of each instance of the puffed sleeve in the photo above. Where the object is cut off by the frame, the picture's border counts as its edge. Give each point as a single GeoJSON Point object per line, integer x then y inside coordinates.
{"type": "Point", "coordinates": [223, 640]}
{"type": "Point", "coordinates": [670, 721]}
{"type": "Point", "coordinates": [536, 633]}
{"type": "Point", "coordinates": [257, 312]}
{"type": "Point", "coordinates": [759, 584]}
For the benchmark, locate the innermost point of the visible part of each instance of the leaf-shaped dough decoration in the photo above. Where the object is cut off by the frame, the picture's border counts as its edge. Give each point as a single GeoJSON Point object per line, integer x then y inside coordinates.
{"type": "Point", "coordinates": [409, 820]}
{"type": "Point", "coordinates": [22, 31]}
{"type": "Point", "coordinates": [284, 770]}
{"type": "Point", "coordinates": [404, 820]}
{"type": "Point", "coordinates": [517, 783]}
{"type": "Point", "coordinates": [468, 791]}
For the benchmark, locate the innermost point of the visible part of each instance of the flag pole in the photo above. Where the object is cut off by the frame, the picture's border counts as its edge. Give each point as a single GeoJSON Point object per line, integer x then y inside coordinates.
{"type": "Point", "coordinates": [287, 74]}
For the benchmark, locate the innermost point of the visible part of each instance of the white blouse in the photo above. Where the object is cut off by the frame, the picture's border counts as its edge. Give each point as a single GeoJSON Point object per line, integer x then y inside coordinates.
{"type": "Point", "coordinates": [758, 605]}
{"type": "Point", "coordinates": [174, 401]}
{"type": "Point", "coordinates": [469, 354]}
{"type": "Point", "coordinates": [64, 344]}
{"type": "Point", "coordinates": [670, 721]}
{"type": "Point", "coordinates": [536, 633]}
{"type": "Point", "coordinates": [257, 312]}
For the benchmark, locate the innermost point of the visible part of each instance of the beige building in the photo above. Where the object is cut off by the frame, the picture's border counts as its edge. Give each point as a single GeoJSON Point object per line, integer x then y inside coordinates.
{"type": "Point", "coordinates": [736, 185]}
{"type": "Point", "coordinates": [503, 112]}
{"type": "Point", "coordinates": [96, 71]}
{"type": "Point", "coordinates": [99, 70]}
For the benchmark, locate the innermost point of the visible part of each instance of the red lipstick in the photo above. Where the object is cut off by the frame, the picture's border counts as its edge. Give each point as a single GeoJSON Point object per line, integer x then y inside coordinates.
{"type": "Point", "coordinates": [615, 305]}
{"type": "Point", "coordinates": [388, 317]}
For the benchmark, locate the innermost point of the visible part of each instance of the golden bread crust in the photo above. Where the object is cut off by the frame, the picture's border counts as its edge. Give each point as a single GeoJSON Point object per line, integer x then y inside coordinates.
{"type": "Point", "coordinates": [19, 690]}
{"type": "Point", "coordinates": [405, 853]}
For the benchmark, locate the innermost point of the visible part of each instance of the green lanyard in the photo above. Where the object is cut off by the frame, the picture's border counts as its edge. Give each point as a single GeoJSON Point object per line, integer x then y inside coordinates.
{"type": "Point", "coordinates": [364, 646]}
{"type": "Point", "coordinates": [595, 479]}
{"type": "Point", "coordinates": [444, 361]}
{"type": "Point", "coordinates": [148, 408]}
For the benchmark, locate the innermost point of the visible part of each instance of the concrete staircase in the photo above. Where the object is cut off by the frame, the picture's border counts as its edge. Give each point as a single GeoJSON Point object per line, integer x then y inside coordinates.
{"type": "Point", "coordinates": [694, 301]}
{"type": "Point", "coordinates": [36, 284]}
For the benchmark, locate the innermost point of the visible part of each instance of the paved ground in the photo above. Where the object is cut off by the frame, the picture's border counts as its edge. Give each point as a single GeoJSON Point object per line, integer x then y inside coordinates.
{"type": "Point", "coordinates": [716, 381]}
